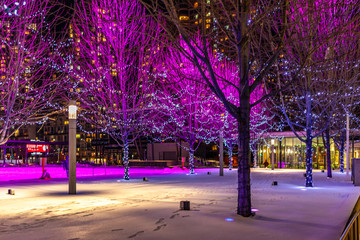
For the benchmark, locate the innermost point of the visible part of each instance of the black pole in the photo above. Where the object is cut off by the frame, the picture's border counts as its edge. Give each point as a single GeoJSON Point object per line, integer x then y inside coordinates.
{"type": "Point", "coordinates": [280, 153]}
{"type": "Point", "coordinates": [353, 148]}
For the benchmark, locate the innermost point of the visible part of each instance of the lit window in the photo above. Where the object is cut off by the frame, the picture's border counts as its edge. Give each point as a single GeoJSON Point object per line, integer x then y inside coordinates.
{"type": "Point", "coordinates": [183, 18]}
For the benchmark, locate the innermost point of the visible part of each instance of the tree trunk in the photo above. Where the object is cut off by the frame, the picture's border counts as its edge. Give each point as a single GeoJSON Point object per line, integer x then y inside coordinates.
{"type": "Point", "coordinates": [308, 180]}
{"type": "Point", "coordinates": [191, 160]}
{"type": "Point", "coordinates": [309, 162]}
{"type": "Point", "coordinates": [230, 158]}
{"type": "Point", "coordinates": [342, 147]}
{"type": "Point", "coordinates": [243, 119]}
{"type": "Point", "coordinates": [126, 160]}
{"type": "Point", "coordinates": [244, 192]}
{"type": "Point", "coordinates": [328, 156]}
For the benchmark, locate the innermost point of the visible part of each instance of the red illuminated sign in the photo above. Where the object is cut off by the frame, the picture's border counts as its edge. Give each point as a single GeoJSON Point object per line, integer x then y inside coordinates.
{"type": "Point", "coordinates": [37, 148]}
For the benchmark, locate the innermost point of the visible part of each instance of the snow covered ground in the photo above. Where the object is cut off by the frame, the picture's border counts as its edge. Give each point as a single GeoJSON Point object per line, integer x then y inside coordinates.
{"type": "Point", "coordinates": [107, 207]}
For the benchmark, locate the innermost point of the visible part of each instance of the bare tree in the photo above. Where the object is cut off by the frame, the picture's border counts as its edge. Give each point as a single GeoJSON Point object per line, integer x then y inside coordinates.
{"type": "Point", "coordinates": [112, 66]}
{"type": "Point", "coordinates": [236, 30]}
{"type": "Point", "coordinates": [28, 52]}
{"type": "Point", "coordinates": [261, 119]}
{"type": "Point", "coordinates": [344, 66]}
{"type": "Point", "coordinates": [184, 108]}
{"type": "Point", "coordinates": [309, 104]}
{"type": "Point", "coordinates": [251, 33]}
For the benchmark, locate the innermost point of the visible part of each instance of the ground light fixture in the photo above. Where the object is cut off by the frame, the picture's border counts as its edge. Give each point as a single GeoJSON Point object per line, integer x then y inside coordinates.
{"type": "Point", "coordinates": [229, 219]}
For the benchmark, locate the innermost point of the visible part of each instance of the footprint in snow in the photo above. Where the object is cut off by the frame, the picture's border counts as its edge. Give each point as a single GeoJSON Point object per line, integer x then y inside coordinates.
{"type": "Point", "coordinates": [134, 235]}
{"type": "Point", "coordinates": [159, 227]}
{"type": "Point", "coordinates": [88, 215]}
{"type": "Point", "coordinates": [115, 230]}
{"type": "Point", "coordinates": [173, 216]}
{"type": "Point", "coordinates": [160, 221]}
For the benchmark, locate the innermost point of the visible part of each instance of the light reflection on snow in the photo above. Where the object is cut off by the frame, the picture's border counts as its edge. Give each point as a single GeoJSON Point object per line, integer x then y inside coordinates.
{"type": "Point", "coordinates": [229, 219]}
{"type": "Point", "coordinates": [302, 188]}
{"type": "Point", "coordinates": [254, 210]}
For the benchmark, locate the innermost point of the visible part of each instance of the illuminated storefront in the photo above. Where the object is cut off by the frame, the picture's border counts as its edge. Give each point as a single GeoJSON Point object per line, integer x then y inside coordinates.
{"type": "Point", "coordinates": [290, 152]}
{"type": "Point", "coordinates": [20, 152]}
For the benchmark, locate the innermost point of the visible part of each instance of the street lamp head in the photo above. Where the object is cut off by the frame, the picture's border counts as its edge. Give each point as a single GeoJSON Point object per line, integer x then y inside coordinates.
{"type": "Point", "coordinates": [72, 109]}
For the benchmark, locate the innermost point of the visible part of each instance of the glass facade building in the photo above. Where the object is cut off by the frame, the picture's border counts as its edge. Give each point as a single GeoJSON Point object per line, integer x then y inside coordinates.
{"type": "Point", "coordinates": [290, 152]}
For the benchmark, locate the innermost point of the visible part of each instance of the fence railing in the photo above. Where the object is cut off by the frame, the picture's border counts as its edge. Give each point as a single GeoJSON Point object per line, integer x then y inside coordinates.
{"type": "Point", "coordinates": [352, 231]}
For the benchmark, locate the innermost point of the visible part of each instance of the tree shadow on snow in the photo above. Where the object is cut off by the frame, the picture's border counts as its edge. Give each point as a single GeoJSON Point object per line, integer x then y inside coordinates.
{"type": "Point", "coordinates": [78, 193]}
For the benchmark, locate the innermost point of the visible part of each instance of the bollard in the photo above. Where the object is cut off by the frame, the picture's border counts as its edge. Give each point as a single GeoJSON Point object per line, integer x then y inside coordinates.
{"type": "Point", "coordinates": [185, 205]}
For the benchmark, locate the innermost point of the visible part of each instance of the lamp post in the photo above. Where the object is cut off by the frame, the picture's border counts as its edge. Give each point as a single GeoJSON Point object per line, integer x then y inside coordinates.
{"type": "Point", "coordinates": [272, 154]}
{"type": "Point", "coordinates": [72, 147]}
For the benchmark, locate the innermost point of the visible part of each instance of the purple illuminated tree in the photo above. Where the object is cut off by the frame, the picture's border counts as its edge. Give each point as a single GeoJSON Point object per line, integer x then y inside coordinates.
{"type": "Point", "coordinates": [112, 66]}
{"type": "Point", "coordinates": [229, 134]}
{"type": "Point", "coordinates": [225, 123]}
{"type": "Point", "coordinates": [249, 33]}
{"type": "Point", "coordinates": [253, 34]}
{"type": "Point", "coordinates": [184, 105]}
{"type": "Point", "coordinates": [27, 70]}
{"type": "Point", "coordinates": [261, 119]}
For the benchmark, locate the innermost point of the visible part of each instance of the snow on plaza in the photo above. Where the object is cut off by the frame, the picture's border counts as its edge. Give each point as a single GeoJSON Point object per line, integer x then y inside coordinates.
{"type": "Point", "coordinates": [108, 207]}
